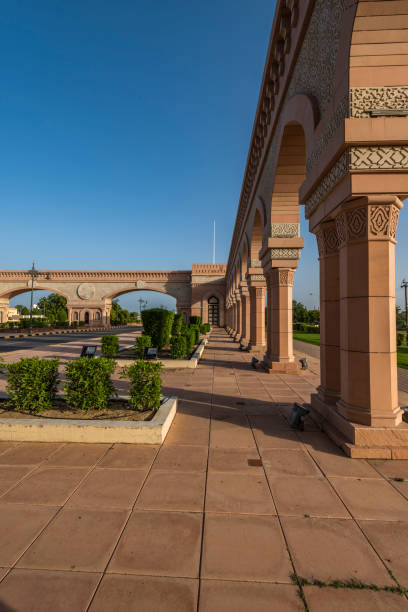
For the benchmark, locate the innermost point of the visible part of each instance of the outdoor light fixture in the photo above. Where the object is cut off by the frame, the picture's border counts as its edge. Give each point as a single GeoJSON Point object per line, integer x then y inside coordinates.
{"type": "Point", "coordinates": [33, 273]}
{"type": "Point", "coordinates": [151, 353]}
{"type": "Point", "coordinates": [297, 417]}
{"type": "Point", "coordinates": [386, 112]}
{"type": "Point", "coordinates": [88, 351]}
{"type": "Point", "coordinates": [303, 363]}
{"type": "Point", "coordinates": [241, 346]}
{"type": "Point", "coordinates": [254, 362]}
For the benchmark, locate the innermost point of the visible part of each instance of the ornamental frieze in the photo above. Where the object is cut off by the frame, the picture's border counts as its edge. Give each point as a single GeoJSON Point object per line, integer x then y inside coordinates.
{"type": "Point", "coordinates": [364, 100]}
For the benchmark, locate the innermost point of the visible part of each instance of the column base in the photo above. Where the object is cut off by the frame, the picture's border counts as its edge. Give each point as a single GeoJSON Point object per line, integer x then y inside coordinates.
{"type": "Point", "coordinates": [364, 417]}
{"type": "Point", "coordinates": [280, 367]}
{"type": "Point", "coordinates": [256, 348]}
{"type": "Point", "coordinates": [327, 396]}
{"type": "Point", "coordinates": [358, 440]}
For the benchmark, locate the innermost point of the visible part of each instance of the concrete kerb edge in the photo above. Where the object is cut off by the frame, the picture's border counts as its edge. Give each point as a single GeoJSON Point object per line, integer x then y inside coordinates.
{"type": "Point", "coordinates": [175, 364]}
{"type": "Point", "coordinates": [81, 430]}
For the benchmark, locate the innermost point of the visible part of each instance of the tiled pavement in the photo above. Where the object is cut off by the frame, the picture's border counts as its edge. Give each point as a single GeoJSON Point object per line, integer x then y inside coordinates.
{"type": "Point", "coordinates": [215, 520]}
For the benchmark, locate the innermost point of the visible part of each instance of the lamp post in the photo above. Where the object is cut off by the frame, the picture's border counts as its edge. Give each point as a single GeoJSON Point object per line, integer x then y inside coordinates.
{"type": "Point", "coordinates": [33, 273]}
{"type": "Point", "coordinates": [404, 285]}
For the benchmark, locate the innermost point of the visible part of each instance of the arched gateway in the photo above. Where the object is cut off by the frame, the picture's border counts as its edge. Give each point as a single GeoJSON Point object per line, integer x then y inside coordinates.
{"type": "Point", "coordinates": [330, 133]}
{"type": "Point", "coordinates": [90, 293]}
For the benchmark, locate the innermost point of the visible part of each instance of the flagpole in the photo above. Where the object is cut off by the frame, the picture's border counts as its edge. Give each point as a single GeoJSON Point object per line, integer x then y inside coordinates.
{"type": "Point", "coordinates": [214, 244]}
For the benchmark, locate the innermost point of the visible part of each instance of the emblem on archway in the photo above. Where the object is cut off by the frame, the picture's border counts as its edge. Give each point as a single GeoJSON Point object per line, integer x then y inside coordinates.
{"type": "Point", "coordinates": [140, 284]}
{"type": "Point", "coordinates": [85, 291]}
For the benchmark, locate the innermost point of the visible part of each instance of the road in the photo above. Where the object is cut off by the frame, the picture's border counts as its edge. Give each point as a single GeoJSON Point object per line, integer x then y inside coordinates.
{"type": "Point", "coordinates": [33, 342]}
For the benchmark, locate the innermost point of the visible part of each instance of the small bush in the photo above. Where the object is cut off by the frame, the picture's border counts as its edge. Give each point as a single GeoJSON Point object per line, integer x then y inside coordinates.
{"type": "Point", "coordinates": [145, 385]}
{"type": "Point", "coordinates": [82, 323]}
{"type": "Point", "coordinates": [157, 323]}
{"type": "Point", "coordinates": [195, 320]}
{"type": "Point", "coordinates": [196, 329]}
{"type": "Point", "coordinates": [400, 339]}
{"type": "Point", "coordinates": [32, 383]}
{"type": "Point", "coordinates": [142, 343]}
{"type": "Point", "coordinates": [110, 346]}
{"type": "Point", "coordinates": [189, 335]}
{"type": "Point", "coordinates": [178, 347]}
{"type": "Point", "coordinates": [205, 328]}
{"type": "Point", "coordinates": [89, 383]}
{"type": "Point", "coordinates": [177, 324]}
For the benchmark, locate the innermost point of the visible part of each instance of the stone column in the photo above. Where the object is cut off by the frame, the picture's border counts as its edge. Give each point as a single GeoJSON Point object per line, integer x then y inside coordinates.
{"type": "Point", "coordinates": [239, 313]}
{"type": "Point", "coordinates": [70, 315]}
{"type": "Point", "coordinates": [279, 355]}
{"type": "Point", "coordinates": [257, 317]}
{"type": "Point", "coordinates": [366, 229]}
{"type": "Point", "coordinates": [234, 315]}
{"type": "Point", "coordinates": [246, 315]}
{"type": "Point", "coordinates": [330, 379]}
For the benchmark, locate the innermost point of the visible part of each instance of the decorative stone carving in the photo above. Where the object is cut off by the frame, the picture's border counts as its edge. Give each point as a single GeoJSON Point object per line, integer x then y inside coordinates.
{"type": "Point", "coordinates": [285, 253]}
{"type": "Point", "coordinates": [285, 230]}
{"type": "Point", "coordinates": [85, 291]}
{"type": "Point", "coordinates": [366, 99]}
{"type": "Point", "coordinates": [371, 222]}
{"type": "Point", "coordinates": [259, 291]}
{"type": "Point", "coordinates": [327, 239]}
{"type": "Point", "coordinates": [140, 284]}
{"type": "Point", "coordinates": [379, 158]}
{"type": "Point", "coordinates": [334, 123]}
{"type": "Point", "coordinates": [329, 181]}
{"type": "Point", "coordinates": [255, 263]}
{"type": "Point", "coordinates": [257, 277]}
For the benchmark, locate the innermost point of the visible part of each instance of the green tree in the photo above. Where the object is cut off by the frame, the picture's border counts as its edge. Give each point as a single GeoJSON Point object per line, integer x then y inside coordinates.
{"type": "Point", "coordinates": [300, 312]}
{"type": "Point", "coordinates": [401, 322]}
{"type": "Point", "coordinates": [52, 305]}
{"type": "Point", "coordinates": [22, 309]}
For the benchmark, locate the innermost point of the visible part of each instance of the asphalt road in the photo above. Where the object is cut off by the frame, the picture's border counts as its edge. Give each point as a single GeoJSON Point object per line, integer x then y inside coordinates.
{"type": "Point", "coordinates": [19, 344]}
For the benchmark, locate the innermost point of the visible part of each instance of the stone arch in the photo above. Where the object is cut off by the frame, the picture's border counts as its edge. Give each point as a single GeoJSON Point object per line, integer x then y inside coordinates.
{"type": "Point", "coordinates": [118, 292]}
{"type": "Point", "coordinates": [13, 292]}
{"type": "Point", "coordinates": [256, 239]}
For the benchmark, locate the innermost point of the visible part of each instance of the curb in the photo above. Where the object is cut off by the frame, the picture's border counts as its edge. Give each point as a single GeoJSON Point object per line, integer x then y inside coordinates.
{"type": "Point", "coordinates": [55, 333]}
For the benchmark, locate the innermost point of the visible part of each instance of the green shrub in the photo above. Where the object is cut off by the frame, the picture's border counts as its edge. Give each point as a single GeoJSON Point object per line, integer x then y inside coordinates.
{"type": "Point", "coordinates": [110, 346]}
{"type": "Point", "coordinates": [195, 320]}
{"type": "Point", "coordinates": [157, 323]}
{"type": "Point", "coordinates": [145, 385]}
{"type": "Point", "coordinates": [189, 335]}
{"type": "Point", "coordinates": [142, 343]}
{"type": "Point", "coordinates": [400, 338]}
{"type": "Point", "coordinates": [89, 383]}
{"type": "Point", "coordinates": [32, 383]}
{"type": "Point", "coordinates": [178, 347]}
{"type": "Point", "coordinates": [177, 324]}
{"type": "Point", "coordinates": [74, 324]}
{"type": "Point", "coordinates": [82, 323]}
{"type": "Point", "coordinates": [196, 329]}
{"type": "Point", "coordinates": [205, 328]}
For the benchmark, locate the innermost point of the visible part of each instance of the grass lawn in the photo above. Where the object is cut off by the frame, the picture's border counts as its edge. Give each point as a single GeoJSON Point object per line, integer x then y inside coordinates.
{"type": "Point", "coordinates": [402, 351]}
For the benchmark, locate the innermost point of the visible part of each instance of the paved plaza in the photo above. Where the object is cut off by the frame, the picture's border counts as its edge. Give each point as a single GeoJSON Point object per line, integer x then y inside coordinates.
{"type": "Point", "coordinates": [217, 519]}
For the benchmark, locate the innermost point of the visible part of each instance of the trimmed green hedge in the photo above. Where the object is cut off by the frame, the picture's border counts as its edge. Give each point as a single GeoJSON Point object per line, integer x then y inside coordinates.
{"type": "Point", "coordinates": [142, 343]}
{"type": "Point", "coordinates": [400, 338]}
{"type": "Point", "coordinates": [110, 346]}
{"type": "Point", "coordinates": [196, 329]}
{"type": "Point", "coordinates": [195, 320]}
{"type": "Point", "coordinates": [177, 324]}
{"type": "Point", "coordinates": [89, 383]}
{"type": "Point", "coordinates": [205, 328]}
{"type": "Point", "coordinates": [32, 383]}
{"type": "Point", "coordinates": [145, 385]}
{"type": "Point", "coordinates": [157, 323]}
{"type": "Point", "coordinates": [189, 335]}
{"type": "Point", "coordinates": [306, 328]}
{"type": "Point", "coordinates": [178, 347]}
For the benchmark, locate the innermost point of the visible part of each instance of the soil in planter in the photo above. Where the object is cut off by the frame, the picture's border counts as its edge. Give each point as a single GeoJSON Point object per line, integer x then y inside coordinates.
{"type": "Point", "coordinates": [118, 411]}
{"type": "Point", "coordinates": [164, 353]}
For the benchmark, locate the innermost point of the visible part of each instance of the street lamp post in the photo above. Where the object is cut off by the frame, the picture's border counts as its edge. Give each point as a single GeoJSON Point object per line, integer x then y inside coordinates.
{"type": "Point", "coordinates": [33, 273]}
{"type": "Point", "coordinates": [404, 285]}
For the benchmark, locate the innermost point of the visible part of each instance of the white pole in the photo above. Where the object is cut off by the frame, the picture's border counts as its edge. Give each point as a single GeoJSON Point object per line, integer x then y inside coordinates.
{"type": "Point", "coordinates": [214, 244]}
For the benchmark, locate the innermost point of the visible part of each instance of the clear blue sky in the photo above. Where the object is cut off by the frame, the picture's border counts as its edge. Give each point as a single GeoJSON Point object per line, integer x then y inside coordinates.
{"type": "Point", "coordinates": [125, 128]}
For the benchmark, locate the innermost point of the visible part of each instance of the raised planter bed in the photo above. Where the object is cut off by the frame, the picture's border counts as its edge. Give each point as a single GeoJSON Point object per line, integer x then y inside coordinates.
{"type": "Point", "coordinates": [42, 429]}
{"type": "Point", "coordinates": [169, 363]}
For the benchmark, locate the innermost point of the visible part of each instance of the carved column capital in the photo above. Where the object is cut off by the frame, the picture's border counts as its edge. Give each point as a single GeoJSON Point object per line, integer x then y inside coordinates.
{"type": "Point", "coordinates": [280, 277]}
{"type": "Point", "coordinates": [327, 238]}
{"type": "Point", "coordinates": [370, 218]}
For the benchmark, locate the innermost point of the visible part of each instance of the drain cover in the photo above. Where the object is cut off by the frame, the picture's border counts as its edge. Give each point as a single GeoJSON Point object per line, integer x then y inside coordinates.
{"type": "Point", "coordinates": [255, 462]}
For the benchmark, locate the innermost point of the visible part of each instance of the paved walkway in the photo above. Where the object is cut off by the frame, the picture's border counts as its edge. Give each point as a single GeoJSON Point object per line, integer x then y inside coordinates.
{"type": "Point", "coordinates": [217, 519]}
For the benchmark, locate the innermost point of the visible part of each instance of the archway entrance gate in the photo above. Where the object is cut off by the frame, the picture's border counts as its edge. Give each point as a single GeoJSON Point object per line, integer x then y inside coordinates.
{"type": "Point", "coordinates": [90, 293]}
{"type": "Point", "coordinates": [330, 133]}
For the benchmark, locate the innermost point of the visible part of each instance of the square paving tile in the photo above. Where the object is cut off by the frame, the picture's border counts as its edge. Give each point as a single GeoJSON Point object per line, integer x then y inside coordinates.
{"type": "Point", "coordinates": [230, 596]}
{"type": "Point", "coordinates": [390, 540]}
{"type": "Point", "coordinates": [238, 493]}
{"type": "Point", "coordinates": [182, 458]}
{"type": "Point", "coordinates": [10, 475]}
{"type": "Point", "coordinates": [159, 544]}
{"type": "Point", "coordinates": [4, 446]}
{"type": "Point", "coordinates": [244, 547]}
{"type": "Point", "coordinates": [78, 455]}
{"type": "Point", "coordinates": [233, 460]}
{"type": "Point", "coordinates": [352, 600]}
{"type": "Point", "coordinates": [237, 438]}
{"type": "Point", "coordinates": [288, 462]}
{"type": "Point", "coordinates": [173, 491]}
{"type": "Point", "coordinates": [278, 439]}
{"type": "Point", "coordinates": [397, 468]}
{"type": "Point", "coordinates": [332, 549]}
{"type": "Point", "coordinates": [46, 486]}
{"type": "Point", "coordinates": [340, 465]}
{"type": "Point", "coordinates": [78, 539]}
{"type": "Point", "coordinates": [3, 572]}
{"type": "Point", "coordinates": [20, 525]}
{"type": "Point", "coordinates": [145, 594]}
{"type": "Point", "coordinates": [184, 436]}
{"type": "Point", "coordinates": [45, 591]}
{"type": "Point", "coordinates": [299, 495]}
{"type": "Point", "coordinates": [108, 488]}
{"type": "Point", "coordinates": [371, 499]}
{"type": "Point", "coordinates": [28, 453]}
{"type": "Point", "coordinates": [135, 456]}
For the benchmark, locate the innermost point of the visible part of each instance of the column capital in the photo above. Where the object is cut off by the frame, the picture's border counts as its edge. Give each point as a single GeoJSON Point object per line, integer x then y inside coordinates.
{"type": "Point", "coordinates": [256, 278]}
{"type": "Point", "coordinates": [280, 277]}
{"type": "Point", "coordinates": [244, 289]}
{"type": "Point", "coordinates": [368, 218]}
{"type": "Point", "coordinates": [327, 238]}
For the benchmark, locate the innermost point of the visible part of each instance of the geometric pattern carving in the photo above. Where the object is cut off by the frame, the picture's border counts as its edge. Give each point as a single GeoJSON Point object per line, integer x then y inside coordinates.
{"type": "Point", "coordinates": [370, 222]}
{"type": "Point", "coordinates": [366, 99]}
{"type": "Point", "coordinates": [285, 277]}
{"type": "Point", "coordinates": [327, 239]}
{"type": "Point", "coordinates": [329, 181]}
{"type": "Point", "coordinates": [285, 230]}
{"type": "Point", "coordinates": [335, 122]}
{"type": "Point", "coordinates": [357, 222]}
{"type": "Point", "coordinates": [285, 253]}
{"type": "Point", "coordinates": [379, 158]}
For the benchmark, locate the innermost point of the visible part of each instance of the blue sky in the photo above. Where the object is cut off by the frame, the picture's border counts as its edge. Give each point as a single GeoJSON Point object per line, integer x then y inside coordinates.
{"type": "Point", "coordinates": [125, 128]}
